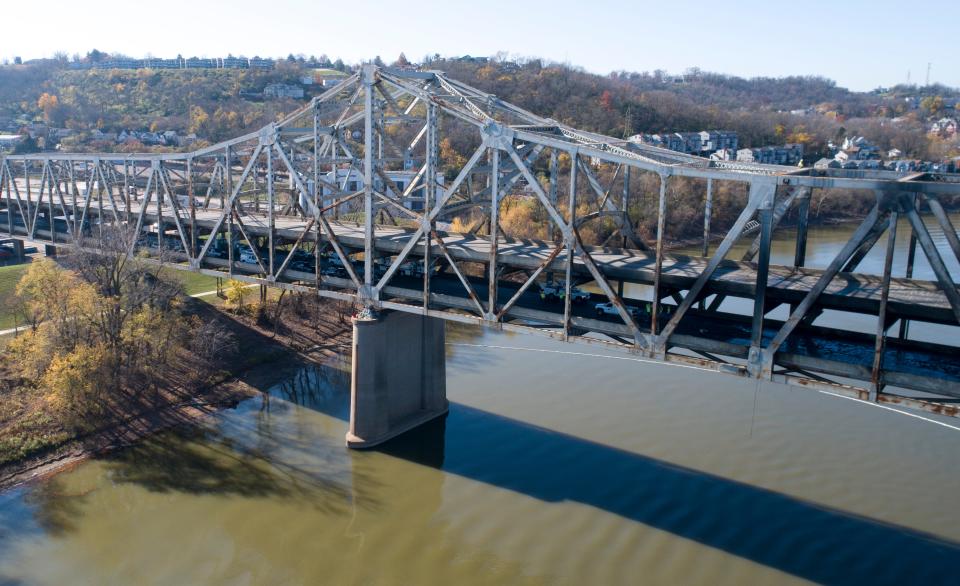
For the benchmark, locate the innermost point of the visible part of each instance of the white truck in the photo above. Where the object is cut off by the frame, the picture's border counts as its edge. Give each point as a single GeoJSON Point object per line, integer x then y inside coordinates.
{"type": "Point", "coordinates": [609, 308]}
{"type": "Point", "coordinates": [556, 291]}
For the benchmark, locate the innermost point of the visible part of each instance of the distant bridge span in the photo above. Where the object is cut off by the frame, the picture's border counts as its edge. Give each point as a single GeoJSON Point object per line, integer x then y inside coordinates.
{"type": "Point", "coordinates": [344, 198]}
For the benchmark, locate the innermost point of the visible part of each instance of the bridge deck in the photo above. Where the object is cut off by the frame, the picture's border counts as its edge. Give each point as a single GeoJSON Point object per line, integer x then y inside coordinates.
{"type": "Point", "coordinates": [848, 291]}
{"type": "Point", "coordinates": [910, 364]}
{"type": "Point", "coordinates": [857, 292]}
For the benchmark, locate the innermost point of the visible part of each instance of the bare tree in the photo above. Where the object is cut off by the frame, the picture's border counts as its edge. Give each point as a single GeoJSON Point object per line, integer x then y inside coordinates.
{"type": "Point", "coordinates": [127, 282]}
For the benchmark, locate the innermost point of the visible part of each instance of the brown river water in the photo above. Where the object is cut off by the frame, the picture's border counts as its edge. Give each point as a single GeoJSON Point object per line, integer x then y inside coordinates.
{"type": "Point", "coordinates": [558, 464]}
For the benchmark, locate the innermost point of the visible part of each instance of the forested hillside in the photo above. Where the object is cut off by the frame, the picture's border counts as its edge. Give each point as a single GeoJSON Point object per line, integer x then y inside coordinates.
{"type": "Point", "coordinates": [622, 104]}
{"type": "Point", "coordinates": [217, 104]}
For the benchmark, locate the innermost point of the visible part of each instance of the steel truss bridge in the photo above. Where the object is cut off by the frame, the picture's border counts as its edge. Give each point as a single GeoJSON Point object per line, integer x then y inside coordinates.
{"type": "Point", "coordinates": [318, 202]}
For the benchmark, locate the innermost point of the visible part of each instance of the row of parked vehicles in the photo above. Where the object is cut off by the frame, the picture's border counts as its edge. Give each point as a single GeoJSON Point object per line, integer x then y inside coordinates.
{"type": "Point", "coordinates": [303, 261]}
{"type": "Point", "coordinates": [555, 291]}
{"type": "Point", "coordinates": [332, 266]}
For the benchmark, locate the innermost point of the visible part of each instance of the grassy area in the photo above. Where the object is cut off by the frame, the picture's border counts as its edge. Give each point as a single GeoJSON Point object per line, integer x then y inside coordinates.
{"type": "Point", "coordinates": [9, 276]}
{"type": "Point", "coordinates": [194, 283]}
{"type": "Point", "coordinates": [329, 72]}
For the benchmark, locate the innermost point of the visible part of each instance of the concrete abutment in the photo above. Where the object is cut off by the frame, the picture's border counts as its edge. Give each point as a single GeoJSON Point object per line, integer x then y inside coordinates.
{"type": "Point", "coordinates": [399, 376]}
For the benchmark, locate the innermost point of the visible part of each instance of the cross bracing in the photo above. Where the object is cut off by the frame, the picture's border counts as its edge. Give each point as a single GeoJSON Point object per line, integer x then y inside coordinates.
{"type": "Point", "coordinates": [345, 197]}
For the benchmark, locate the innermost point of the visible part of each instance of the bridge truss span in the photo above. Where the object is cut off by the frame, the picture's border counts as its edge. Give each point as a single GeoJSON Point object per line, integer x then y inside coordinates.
{"type": "Point", "coordinates": [362, 195]}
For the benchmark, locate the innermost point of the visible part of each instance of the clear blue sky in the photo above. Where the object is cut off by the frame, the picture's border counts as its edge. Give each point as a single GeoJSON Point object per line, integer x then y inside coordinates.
{"type": "Point", "coordinates": [859, 44]}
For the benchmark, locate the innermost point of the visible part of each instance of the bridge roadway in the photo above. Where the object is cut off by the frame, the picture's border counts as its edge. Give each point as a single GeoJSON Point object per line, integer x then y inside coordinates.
{"type": "Point", "coordinates": [856, 292]}
{"type": "Point", "coordinates": [908, 364]}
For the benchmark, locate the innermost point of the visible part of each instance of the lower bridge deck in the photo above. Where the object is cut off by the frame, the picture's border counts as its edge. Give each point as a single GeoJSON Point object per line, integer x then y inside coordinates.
{"type": "Point", "coordinates": [855, 292]}
{"type": "Point", "coordinates": [812, 351]}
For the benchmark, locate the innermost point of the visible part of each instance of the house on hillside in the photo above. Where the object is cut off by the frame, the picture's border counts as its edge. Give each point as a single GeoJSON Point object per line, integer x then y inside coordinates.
{"type": "Point", "coordinates": [119, 63]}
{"type": "Point", "coordinates": [196, 63]}
{"type": "Point", "coordinates": [152, 138]}
{"type": "Point", "coordinates": [788, 154]}
{"type": "Point", "coordinates": [163, 63]}
{"type": "Point", "coordinates": [231, 62]}
{"type": "Point", "coordinates": [724, 155]}
{"type": "Point", "coordinates": [825, 163]}
{"type": "Point", "coordinates": [714, 140]}
{"type": "Point", "coordinates": [98, 135]}
{"type": "Point", "coordinates": [283, 90]}
{"type": "Point", "coordinates": [258, 63]}
{"type": "Point", "coordinates": [944, 127]}
{"type": "Point", "coordinates": [60, 133]}
{"type": "Point", "coordinates": [902, 166]}
{"type": "Point", "coordinates": [858, 148]}
{"type": "Point", "coordinates": [701, 143]}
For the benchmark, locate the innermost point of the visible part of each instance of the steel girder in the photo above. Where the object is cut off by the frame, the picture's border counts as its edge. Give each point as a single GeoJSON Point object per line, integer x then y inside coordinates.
{"type": "Point", "coordinates": [330, 163]}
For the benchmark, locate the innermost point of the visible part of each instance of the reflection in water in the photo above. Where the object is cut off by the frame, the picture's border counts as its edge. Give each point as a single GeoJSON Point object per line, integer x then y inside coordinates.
{"type": "Point", "coordinates": [546, 470]}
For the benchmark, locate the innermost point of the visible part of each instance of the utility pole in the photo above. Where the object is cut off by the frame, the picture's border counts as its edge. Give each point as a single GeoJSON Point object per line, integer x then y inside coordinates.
{"type": "Point", "coordinates": [928, 73]}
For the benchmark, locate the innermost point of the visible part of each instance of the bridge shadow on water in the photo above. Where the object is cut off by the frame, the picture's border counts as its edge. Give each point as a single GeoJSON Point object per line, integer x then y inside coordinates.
{"type": "Point", "coordinates": [798, 537]}
{"type": "Point", "coordinates": [795, 536]}
{"type": "Point", "coordinates": [770, 528]}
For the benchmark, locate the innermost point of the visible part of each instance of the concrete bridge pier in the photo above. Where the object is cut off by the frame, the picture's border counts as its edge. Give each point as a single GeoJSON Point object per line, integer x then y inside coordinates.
{"type": "Point", "coordinates": [399, 376]}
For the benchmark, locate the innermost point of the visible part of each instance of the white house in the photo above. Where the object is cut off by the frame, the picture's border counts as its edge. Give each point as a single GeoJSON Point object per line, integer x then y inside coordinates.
{"type": "Point", "coordinates": [724, 155]}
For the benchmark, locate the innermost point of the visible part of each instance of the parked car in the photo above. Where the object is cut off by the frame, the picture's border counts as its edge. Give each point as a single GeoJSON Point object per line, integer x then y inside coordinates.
{"type": "Point", "coordinates": [609, 308]}
{"type": "Point", "coordinates": [248, 256]}
{"type": "Point", "coordinates": [218, 252]}
{"type": "Point", "coordinates": [414, 268]}
{"type": "Point", "coordinates": [334, 271]}
{"type": "Point", "coordinates": [151, 240]}
{"type": "Point", "coordinates": [301, 265]}
{"type": "Point", "coordinates": [554, 291]}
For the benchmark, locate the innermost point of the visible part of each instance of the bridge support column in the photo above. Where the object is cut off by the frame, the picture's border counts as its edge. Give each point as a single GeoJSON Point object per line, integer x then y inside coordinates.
{"type": "Point", "coordinates": [399, 376]}
{"type": "Point", "coordinates": [18, 253]}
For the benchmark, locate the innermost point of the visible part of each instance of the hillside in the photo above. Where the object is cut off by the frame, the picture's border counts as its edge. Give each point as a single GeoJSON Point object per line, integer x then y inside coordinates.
{"type": "Point", "coordinates": [217, 104]}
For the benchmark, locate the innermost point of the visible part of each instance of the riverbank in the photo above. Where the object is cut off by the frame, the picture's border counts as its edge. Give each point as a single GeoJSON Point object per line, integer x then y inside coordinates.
{"type": "Point", "coordinates": [269, 341]}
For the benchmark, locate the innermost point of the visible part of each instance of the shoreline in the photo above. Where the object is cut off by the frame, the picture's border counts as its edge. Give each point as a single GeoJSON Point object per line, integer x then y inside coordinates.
{"type": "Point", "coordinates": [251, 381]}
